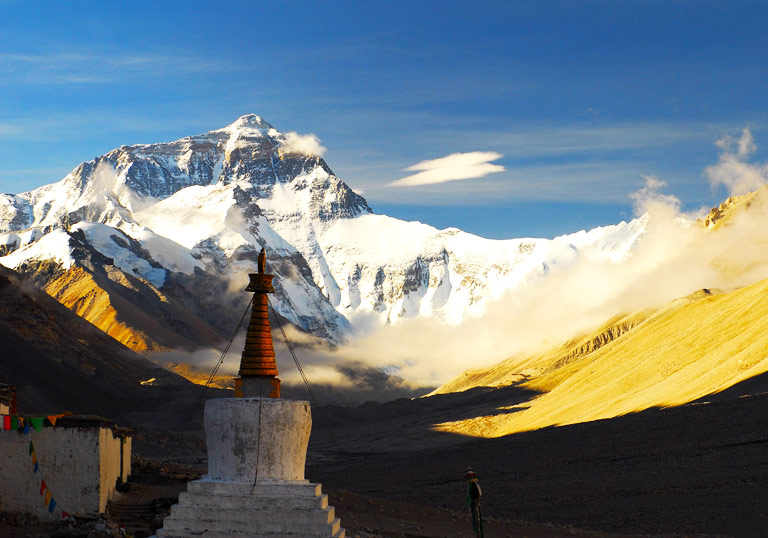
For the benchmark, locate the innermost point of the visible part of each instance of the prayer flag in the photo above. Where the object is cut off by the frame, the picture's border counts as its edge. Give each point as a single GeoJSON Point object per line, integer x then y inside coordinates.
{"type": "Point", "coordinates": [53, 418]}
{"type": "Point", "coordinates": [37, 423]}
{"type": "Point", "coordinates": [34, 458]}
{"type": "Point", "coordinates": [31, 448]}
{"type": "Point", "coordinates": [26, 427]}
{"type": "Point", "coordinates": [37, 468]}
{"type": "Point", "coordinates": [7, 422]}
{"type": "Point", "coordinates": [14, 423]}
{"type": "Point", "coordinates": [47, 496]}
{"type": "Point", "coordinates": [43, 487]}
{"type": "Point", "coordinates": [52, 506]}
{"type": "Point", "coordinates": [64, 514]}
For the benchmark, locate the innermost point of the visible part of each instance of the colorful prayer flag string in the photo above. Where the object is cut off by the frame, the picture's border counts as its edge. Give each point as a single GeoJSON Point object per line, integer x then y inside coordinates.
{"type": "Point", "coordinates": [37, 423]}
{"type": "Point", "coordinates": [23, 425]}
{"type": "Point", "coordinates": [48, 499]}
{"type": "Point", "coordinates": [13, 422]}
{"type": "Point", "coordinates": [53, 418]}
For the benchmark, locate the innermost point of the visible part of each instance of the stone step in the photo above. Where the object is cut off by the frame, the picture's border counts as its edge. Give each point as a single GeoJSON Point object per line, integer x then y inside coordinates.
{"type": "Point", "coordinates": [265, 489]}
{"type": "Point", "coordinates": [208, 527]}
{"type": "Point", "coordinates": [257, 517]}
{"type": "Point", "coordinates": [163, 533]}
{"type": "Point", "coordinates": [254, 502]}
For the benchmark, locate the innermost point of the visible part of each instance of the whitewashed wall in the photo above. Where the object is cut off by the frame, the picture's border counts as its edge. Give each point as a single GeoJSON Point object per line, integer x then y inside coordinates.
{"type": "Point", "coordinates": [80, 466]}
{"type": "Point", "coordinates": [127, 447]}
{"type": "Point", "coordinates": [111, 465]}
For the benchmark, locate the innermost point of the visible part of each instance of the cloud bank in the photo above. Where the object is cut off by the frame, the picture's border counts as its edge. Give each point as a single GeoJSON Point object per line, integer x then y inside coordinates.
{"type": "Point", "coordinates": [676, 257]}
{"type": "Point", "coordinates": [454, 167]}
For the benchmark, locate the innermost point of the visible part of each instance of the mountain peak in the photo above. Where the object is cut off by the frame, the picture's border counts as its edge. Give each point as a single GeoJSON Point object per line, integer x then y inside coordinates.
{"type": "Point", "coordinates": [251, 121]}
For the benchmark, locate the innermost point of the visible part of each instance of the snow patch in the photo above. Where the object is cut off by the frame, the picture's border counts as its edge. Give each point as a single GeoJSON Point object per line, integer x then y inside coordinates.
{"type": "Point", "coordinates": [114, 244]}
{"type": "Point", "coordinates": [52, 246]}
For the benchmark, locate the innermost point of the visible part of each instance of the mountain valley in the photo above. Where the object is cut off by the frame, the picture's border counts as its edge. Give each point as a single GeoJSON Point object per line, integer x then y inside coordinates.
{"type": "Point", "coordinates": [643, 397]}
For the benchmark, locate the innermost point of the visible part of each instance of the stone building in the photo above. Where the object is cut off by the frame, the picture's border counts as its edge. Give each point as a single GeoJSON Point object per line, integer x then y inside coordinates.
{"type": "Point", "coordinates": [79, 462]}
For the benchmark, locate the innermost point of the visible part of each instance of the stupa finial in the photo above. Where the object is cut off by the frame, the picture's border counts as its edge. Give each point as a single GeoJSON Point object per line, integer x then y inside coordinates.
{"type": "Point", "coordinates": [263, 261]}
{"type": "Point", "coordinates": [258, 360]}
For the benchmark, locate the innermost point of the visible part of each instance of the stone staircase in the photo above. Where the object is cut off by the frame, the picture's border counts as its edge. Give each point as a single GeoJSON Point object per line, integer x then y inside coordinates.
{"type": "Point", "coordinates": [219, 509]}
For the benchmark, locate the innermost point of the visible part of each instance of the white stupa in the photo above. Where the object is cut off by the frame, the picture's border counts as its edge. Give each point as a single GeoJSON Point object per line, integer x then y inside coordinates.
{"type": "Point", "coordinates": [257, 448]}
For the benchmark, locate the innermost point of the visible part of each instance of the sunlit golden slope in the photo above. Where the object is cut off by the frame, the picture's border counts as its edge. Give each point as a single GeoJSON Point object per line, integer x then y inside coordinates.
{"type": "Point", "coordinates": [692, 348]}
{"type": "Point", "coordinates": [77, 290]}
{"type": "Point", "coordinates": [128, 309]}
{"type": "Point", "coordinates": [742, 222]}
{"type": "Point", "coordinates": [200, 377]}
{"type": "Point", "coordinates": [521, 368]}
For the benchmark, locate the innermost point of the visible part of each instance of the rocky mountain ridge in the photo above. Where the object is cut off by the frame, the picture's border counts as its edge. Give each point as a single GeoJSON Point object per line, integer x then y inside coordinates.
{"type": "Point", "coordinates": [177, 220]}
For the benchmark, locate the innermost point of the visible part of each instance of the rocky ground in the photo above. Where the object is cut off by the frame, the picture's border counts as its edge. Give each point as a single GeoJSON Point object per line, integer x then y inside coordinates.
{"type": "Point", "coordinates": [156, 486]}
{"type": "Point", "coordinates": [696, 470]}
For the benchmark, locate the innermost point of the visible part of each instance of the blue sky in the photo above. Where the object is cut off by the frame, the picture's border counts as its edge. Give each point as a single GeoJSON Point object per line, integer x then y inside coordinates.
{"type": "Point", "coordinates": [580, 100]}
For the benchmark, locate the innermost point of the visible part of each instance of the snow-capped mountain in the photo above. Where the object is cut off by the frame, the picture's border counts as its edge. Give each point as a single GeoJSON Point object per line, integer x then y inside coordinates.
{"type": "Point", "coordinates": [183, 221]}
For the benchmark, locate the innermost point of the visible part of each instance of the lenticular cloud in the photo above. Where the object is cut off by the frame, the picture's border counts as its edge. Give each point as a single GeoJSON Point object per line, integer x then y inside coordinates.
{"type": "Point", "coordinates": [454, 167]}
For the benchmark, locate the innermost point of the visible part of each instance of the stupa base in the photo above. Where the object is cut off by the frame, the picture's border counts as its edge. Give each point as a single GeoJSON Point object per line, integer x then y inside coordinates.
{"type": "Point", "coordinates": [219, 509]}
{"type": "Point", "coordinates": [255, 486]}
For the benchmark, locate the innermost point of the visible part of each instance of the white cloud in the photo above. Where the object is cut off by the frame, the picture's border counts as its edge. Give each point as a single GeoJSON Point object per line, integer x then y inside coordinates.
{"type": "Point", "coordinates": [674, 258]}
{"type": "Point", "coordinates": [649, 199]}
{"type": "Point", "coordinates": [454, 167]}
{"type": "Point", "coordinates": [732, 169]}
{"type": "Point", "coordinates": [104, 179]}
{"type": "Point", "coordinates": [307, 144]}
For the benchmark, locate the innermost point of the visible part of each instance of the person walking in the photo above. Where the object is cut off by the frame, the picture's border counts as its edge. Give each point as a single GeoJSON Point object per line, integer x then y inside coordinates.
{"type": "Point", "coordinates": [473, 501]}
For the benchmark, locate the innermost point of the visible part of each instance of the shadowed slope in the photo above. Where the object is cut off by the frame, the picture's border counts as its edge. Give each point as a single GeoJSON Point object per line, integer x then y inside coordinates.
{"type": "Point", "coordinates": [60, 362]}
